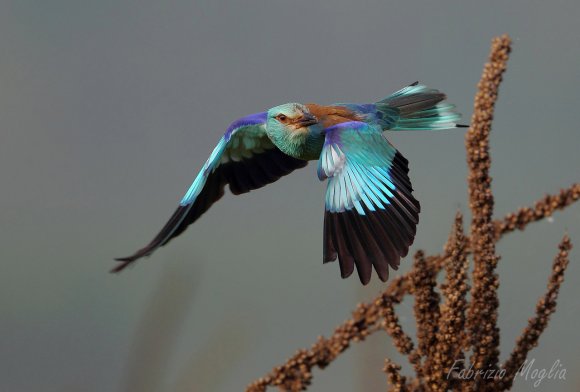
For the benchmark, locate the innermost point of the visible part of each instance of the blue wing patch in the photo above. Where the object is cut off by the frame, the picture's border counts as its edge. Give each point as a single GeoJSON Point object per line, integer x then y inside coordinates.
{"type": "Point", "coordinates": [371, 214]}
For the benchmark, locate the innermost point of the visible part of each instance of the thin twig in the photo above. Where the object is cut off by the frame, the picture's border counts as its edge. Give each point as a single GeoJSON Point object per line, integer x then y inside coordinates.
{"type": "Point", "coordinates": [544, 309]}
{"type": "Point", "coordinates": [397, 381]}
{"type": "Point", "coordinates": [402, 342]}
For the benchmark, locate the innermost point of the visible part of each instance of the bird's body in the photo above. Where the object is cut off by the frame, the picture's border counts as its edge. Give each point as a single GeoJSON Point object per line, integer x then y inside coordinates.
{"type": "Point", "coordinates": [371, 214]}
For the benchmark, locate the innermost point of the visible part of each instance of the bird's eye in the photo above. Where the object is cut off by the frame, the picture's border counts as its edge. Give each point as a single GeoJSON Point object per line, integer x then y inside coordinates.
{"type": "Point", "coordinates": [281, 117]}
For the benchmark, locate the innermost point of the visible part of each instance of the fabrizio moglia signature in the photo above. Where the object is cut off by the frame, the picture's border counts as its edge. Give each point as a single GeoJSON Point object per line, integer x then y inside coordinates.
{"type": "Point", "coordinates": [527, 371]}
{"type": "Point", "coordinates": [537, 375]}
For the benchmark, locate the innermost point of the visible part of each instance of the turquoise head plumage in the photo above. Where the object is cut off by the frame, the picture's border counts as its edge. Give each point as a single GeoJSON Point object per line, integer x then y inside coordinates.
{"type": "Point", "coordinates": [292, 128]}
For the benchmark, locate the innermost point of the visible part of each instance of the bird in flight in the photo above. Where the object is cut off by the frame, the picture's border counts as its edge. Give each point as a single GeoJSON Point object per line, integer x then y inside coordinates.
{"type": "Point", "coordinates": [370, 216]}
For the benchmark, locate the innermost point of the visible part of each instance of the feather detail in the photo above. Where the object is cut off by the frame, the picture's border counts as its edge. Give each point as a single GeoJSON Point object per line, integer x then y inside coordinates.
{"type": "Point", "coordinates": [417, 107]}
{"type": "Point", "coordinates": [371, 214]}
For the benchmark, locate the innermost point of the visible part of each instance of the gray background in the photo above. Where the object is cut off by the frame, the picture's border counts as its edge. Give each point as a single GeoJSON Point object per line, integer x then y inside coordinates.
{"type": "Point", "coordinates": [108, 109]}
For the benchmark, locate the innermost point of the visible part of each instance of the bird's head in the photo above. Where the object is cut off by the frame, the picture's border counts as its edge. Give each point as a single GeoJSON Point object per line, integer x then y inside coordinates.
{"type": "Point", "coordinates": [290, 126]}
{"type": "Point", "coordinates": [291, 120]}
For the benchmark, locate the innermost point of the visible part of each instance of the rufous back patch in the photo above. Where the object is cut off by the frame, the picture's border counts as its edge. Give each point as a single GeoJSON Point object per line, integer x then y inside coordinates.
{"type": "Point", "coordinates": [332, 115]}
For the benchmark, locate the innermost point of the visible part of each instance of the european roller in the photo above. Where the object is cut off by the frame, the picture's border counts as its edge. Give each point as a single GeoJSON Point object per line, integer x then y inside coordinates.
{"type": "Point", "coordinates": [370, 216]}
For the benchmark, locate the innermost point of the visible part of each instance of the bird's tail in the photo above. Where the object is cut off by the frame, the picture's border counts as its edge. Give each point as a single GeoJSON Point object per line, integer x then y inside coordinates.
{"type": "Point", "coordinates": [417, 108]}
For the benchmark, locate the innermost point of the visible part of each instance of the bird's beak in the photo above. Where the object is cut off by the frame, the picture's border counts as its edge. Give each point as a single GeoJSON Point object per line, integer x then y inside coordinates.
{"type": "Point", "coordinates": [307, 120]}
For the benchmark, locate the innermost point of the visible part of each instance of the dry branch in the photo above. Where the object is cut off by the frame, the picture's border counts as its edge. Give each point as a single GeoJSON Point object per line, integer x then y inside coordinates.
{"type": "Point", "coordinates": [366, 316]}
{"type": "Point", "coordinates": [451, 337]}
{"type": "Point", "coordinates": [446, 331]}
{"type": "Point", "coordinates": [544, 309]}
{"type": "Point", "coordinates": [424, 282]}
{"type": "Point", "coordinates": [482, 316]}
{"type": "Point", "coordinates": [398, 383]}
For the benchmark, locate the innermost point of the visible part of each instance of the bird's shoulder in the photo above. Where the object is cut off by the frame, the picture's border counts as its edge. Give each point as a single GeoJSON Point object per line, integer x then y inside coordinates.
{"type": "Point", "coordinates": [252, 123]}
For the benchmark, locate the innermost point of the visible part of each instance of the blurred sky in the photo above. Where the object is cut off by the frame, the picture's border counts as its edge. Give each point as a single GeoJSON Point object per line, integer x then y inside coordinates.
{"type": "Point", "coordinates": [109, 108]}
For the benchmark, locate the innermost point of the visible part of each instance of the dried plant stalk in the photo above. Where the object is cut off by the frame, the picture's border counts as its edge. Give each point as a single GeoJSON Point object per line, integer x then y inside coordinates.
{"type": "Point", "coordinates": [398, 382]}
{"type": "Point", "coordinates": [542, 209]}
{"type": "Point", "coordinates": [544, 309]}
{"type": "Point", "coordinates": [446, 331]}
{"type": "Point", "coordinates": [450, 335]}
{"type": "Point", "coordinates": [295, 374]}
{"type": "Point", "coordinates": [519, 220]}
{"type": "Point", "coordinates": [483, 310]}
{"type": "Point", "coordinates": [426, 308]}
{"type": "Point", "coordinates": [403, 343]}
{"type": "Point", "coordinates": [365, 317]}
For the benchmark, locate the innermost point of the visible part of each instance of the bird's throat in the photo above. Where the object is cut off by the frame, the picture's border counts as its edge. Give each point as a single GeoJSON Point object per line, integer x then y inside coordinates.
{"type": "Point", "coordinates": [303, 144]}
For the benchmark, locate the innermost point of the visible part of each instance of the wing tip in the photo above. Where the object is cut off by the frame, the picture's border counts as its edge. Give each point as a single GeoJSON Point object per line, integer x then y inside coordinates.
{"type": "Point", "coordinates": [329, 258]}
{"type": "Point", "coordinates": [124, 262]}
{"type": "Point", "coordinates": [364, 278]}
{"type": "Point", "coordinates": [396, 247]}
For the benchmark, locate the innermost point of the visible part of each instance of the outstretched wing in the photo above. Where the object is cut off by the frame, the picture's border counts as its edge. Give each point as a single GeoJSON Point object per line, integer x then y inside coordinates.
{"type": "Point", "coordinates": [244, 158]}
{"type": "Point", "coordinates": [371, 215]}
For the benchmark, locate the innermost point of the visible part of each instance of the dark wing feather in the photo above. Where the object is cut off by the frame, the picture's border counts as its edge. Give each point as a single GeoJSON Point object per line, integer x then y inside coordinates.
{"type": "Point", "coordinates": [245, 159]}
{"type": "Point", "coordinates": [371, 215]}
